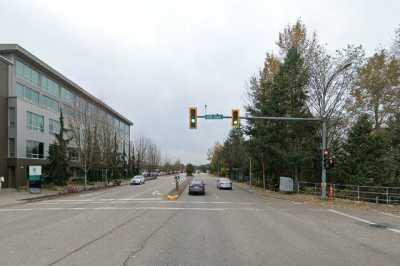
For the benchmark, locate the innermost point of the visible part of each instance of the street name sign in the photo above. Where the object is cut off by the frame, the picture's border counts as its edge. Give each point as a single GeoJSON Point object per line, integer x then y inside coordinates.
{"type": "Point", "coordinates": [214, 116]}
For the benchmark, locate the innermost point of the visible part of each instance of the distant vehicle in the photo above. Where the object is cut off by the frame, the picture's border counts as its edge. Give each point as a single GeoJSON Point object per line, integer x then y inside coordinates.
{"type": "Point", "coordinates": [145, 173]}
{"type": "Point", "coordinates": [224, 183]}
{"type": "Point", "coordinates": [138, 180]}
{"type": "Point", "coordinates": [154, 174]}
{"type": "Point", "coordinates": [197, 186]}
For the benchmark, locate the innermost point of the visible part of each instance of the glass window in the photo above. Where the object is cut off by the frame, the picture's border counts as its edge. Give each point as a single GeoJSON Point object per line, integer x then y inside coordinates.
{"type": "Point", "coordinates": [35, 77]}
{"type": "Point", "coordinates": [49, 103]}
{"type": "Point", "coordinates": [67, 111]}
{"type": "Point", "coordinates": [11, 147]}
{"type": "Point", "coordinates": [34, 149]}
{"type": "Point", "coordinates": [20, 69]}
{"type": "Point", "coordinates": [27, 73]}
{"type": "Point", "coordinates": [50, 86]}
{"type": "Point", "coordinates": [67, 96]}
{"type": "Point", "coordinates": [34, 122]}
{"type": "Point", "coordinates": [73, 154]}
{"type": "Point", "coordinates": [54, 127]}
{"type": "Point", "coordinates": [19, 90]}
{"type": "Point", "coordinates": [27, 94]}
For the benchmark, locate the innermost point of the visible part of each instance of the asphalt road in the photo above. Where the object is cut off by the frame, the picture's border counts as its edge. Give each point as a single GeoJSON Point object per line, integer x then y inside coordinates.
{"type": "Point", "coordinates": [133, 225]}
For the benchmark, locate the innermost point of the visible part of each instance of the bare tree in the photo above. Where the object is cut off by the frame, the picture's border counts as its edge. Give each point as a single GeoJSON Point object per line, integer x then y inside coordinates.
{"type": "Point", "coordinates": [331, 79]}
{"type": "Point", "coordinates": [141, 146]}
{"type": "Point", "coordinates": [153, 157]}
{"type": "Point", "coordinates": [82, 126]}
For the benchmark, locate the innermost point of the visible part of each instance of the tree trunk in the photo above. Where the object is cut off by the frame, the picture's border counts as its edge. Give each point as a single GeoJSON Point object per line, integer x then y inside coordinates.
{"type": "Point", "coordinates": [376, 116]}
{"type": "Point", "coordinates": [85, 185]}
{"type": "Point", "coordinates": [263, 173]}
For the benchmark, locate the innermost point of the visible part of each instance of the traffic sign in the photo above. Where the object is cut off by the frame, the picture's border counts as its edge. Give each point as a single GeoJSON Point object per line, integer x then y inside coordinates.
{"type": "Point", "coordinates": [214, 116]}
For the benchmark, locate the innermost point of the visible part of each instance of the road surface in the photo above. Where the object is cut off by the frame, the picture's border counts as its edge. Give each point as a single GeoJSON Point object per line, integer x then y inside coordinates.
{"type": "Point", "coordinates": [133, 225]}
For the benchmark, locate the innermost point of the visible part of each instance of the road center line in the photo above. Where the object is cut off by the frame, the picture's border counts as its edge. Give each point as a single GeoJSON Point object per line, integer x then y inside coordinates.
{"type": "Point", "coordinates": [362, 220]}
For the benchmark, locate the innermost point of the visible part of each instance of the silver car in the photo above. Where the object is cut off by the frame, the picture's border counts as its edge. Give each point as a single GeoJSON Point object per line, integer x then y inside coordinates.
{"type": "Point", "coordinates": [138, 180]}
{"type": "Point", "coordinates": [224, 183]}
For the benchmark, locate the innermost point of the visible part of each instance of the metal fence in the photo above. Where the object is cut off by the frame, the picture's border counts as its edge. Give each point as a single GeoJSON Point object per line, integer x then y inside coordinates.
{"type": "Point", "coordinates": [376, 194]}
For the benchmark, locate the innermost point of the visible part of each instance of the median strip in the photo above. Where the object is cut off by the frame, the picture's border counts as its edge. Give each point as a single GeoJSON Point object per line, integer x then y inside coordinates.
{"type": "Point", "coordinates": [175, 193]}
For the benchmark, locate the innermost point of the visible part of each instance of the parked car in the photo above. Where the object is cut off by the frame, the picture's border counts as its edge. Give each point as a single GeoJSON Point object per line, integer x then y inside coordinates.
{"type": "Point", "coordinates": [224, 183]}
{"type": "Point", "coordinates": [197, 186]}
{"type": "Point", "coordinates": [138, 180]}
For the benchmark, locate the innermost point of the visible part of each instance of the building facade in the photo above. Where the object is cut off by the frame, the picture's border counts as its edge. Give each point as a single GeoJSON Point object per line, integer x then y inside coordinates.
{"type": "Point", "coordinates": [32, 96]}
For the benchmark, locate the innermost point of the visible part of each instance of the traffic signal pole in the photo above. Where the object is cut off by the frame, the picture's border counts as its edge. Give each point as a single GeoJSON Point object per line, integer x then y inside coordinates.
{"type": "Point", "coordinates": [323, 172]}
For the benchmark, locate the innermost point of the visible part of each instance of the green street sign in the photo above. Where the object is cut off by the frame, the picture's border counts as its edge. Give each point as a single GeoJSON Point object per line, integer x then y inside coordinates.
{"type": "Point", "coordinates": [214, 116]}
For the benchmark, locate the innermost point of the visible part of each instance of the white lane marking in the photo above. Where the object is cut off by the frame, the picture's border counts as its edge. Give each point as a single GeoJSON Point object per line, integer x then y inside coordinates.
{"type": "Point", "coordinates": [106, 200]}
{"type": "Point", "coordinates": [156, 193]}
{"type": "Point", "coordinates": [352, 217]}
{"type": "Point", "coordinates": [142, 200]}
{"type": "Point", "coordinates": [129, 208]}
{"type": "Point", "coordinates": [362, 220]}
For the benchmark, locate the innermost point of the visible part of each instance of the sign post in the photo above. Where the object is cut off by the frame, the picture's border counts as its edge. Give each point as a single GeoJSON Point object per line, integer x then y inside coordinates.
{"type": "Point", "coordinates": [35, 178]}
{"type": "Point", "coordinates": [1, 181]}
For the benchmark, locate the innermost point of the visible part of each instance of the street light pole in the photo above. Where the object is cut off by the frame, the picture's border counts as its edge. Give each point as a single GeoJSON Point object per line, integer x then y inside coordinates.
{"type": "Point", "coordinates": [250, 171]}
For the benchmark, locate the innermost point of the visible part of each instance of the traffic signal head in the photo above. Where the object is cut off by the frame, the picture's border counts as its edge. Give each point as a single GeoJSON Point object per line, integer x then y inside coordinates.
{"type": "Point", "coordinates": [193, 118]}
{"type": "Point", "coordinates": [235, 118]}
{"type": "Point", "coordinates": [326, 159]}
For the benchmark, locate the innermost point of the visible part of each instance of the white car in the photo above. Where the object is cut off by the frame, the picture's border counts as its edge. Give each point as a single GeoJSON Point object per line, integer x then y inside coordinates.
{"type": "Point", "coordinates": [138, 180]}
{"type": "Point", "coordinates": [224, 183]}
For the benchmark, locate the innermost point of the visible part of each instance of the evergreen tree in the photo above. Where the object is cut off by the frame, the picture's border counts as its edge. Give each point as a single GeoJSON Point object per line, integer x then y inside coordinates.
{"type": "Point", "coordinates": [364, 162]}
{"type": "Point", "coordinates": [59, 164]}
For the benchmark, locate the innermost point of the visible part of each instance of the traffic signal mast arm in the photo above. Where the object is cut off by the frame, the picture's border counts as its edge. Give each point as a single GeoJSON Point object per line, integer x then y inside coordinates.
{"type": "Point", "coordinates": [271, 118]}
{"type": "Point", "coordinates": [236, 123]}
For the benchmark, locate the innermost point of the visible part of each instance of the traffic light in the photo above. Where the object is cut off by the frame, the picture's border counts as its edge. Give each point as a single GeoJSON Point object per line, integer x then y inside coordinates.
{"type": "Point", "coordinates": [235, 118]}
{"type": "Point", "coordinates": [326, 159]}
{"type": "Point", "coordinates": [193, 118]}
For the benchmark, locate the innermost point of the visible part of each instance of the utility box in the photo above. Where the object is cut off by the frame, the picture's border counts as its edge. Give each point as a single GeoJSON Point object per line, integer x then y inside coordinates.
{"type": "Point", "coordinates": [286, 184]}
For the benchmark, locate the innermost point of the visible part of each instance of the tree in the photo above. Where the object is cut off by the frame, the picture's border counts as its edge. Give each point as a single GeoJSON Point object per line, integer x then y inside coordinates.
{"type": "Point", "coordinates": [215, 157]}
{"type": "Point", "coordinates": [189, 169]}
{"type": "Point", "coordinates": [331, 79]}
{"type": "Point", "coordinates": [396, 44]}
{"type": "Point", "coordinates": [393, 178]}
{"type": "Point", "coordinates": [364, 154]}
{"type": "Point", "coordinates": [377, 88]}
{"type": "Point", "coordinates": [294, 36]}
{"type": "Point", "coordinates": [58, 167]}
{"type": "Point", "coordinates": [82, 130]}
{"type": "Point", "coordinates": [233, 152]}
{"type": "Point", "coordinates": [141, 146]}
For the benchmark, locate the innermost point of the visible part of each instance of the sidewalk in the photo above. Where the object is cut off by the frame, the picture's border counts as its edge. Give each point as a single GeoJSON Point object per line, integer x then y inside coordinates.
{"type": "Point", "coordinates": [10, 196]}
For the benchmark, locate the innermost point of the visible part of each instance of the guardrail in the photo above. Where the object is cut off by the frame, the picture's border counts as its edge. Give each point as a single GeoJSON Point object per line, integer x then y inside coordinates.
{"type": "Point", "coordinates": [376, 194]}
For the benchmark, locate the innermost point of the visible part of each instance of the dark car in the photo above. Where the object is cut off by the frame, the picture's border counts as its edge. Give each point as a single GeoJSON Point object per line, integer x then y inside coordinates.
{"type": "Point", "coordinates": [197, 187]}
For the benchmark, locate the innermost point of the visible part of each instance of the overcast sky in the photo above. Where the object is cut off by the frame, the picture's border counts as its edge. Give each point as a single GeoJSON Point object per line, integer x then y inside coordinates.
{"type": "Point", "coordinates": [151, 60]}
